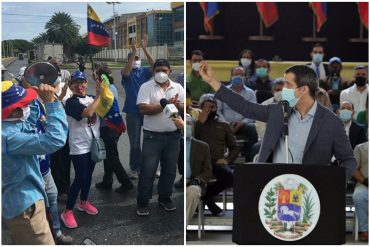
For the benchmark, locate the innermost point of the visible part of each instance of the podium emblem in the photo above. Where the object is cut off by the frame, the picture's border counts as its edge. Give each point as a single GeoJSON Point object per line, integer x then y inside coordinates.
{"type": "Point", "coordinates": [289, 207]}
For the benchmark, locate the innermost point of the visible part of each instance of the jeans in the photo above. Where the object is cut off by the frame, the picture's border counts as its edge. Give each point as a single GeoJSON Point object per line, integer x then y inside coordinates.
{"type": "Point", "coordinates": [84, 168]}
{"type": "Point", "coordinates": [163, 148]}
{"type": "Point", "coordinates": [112, 162]}
{"type": "Point", "coordinates": [60, 165]}
{"type": "Point", "coordinates": [52, 193]}
{"type": "Point", "coordinates": [134, 121]}
{"type": "Point", "coordinates": [361, 202]}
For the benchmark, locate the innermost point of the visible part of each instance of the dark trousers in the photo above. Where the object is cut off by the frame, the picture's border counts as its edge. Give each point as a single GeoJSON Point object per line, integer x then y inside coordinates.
{"type": "Point", "coordinates": [112, 163]}
{"type": "Point", "coordinates": [60, 165]}
{"type": "Point", "coordinates": [225, 178]}
{"type": "Point", "coordinates": [180, 161]}
{"type": "Point", "coordinates": [84, 167]}
{"type": "Point", "coordinates": [250, 134]}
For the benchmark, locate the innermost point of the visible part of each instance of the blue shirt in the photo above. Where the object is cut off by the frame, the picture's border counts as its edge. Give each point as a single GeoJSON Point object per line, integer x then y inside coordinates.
{"type": "Point", "coordinates": [188, 169]}
{"type": "Point", "coordinates": [225, 113]}
{"type": "Point", "coordinates": [22, 182]}
{"type": "Point", "coordinates": [297, 139]}
{"type": "Point", "coordinates": [132, 85]}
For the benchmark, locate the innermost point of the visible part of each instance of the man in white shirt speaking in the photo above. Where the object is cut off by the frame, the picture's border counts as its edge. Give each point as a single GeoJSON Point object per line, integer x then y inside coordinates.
{"type": "Point", "coordinates": [161, 137]}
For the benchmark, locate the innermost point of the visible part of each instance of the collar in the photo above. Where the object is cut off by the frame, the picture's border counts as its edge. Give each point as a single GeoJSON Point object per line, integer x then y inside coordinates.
{"type": "Point", "coordinates": [171, 85]}
{"type": "Point", "coordinates": [311, 112]}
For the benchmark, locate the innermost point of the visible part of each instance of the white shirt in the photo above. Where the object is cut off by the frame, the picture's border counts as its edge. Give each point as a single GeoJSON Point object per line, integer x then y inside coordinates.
{"type": "Point", "coordinates": [354, 96]}
{"type": "Point", "coordinates": [321, 69]}
{"type": "Point", "coordinates": [151, 93]}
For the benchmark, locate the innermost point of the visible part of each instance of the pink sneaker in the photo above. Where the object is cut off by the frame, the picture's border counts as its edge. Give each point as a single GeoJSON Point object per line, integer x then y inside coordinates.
{"type": "Point", "coordinates": [87, 207]}
{"type": "Point", "coordinates": [68, 219]}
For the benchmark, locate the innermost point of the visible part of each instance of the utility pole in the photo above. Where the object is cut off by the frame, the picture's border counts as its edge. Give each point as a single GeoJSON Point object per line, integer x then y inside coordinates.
{"type": "Point", "coordinates": [114, 30]}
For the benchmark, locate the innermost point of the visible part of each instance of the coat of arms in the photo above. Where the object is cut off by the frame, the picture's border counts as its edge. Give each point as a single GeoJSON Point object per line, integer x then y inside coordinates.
{"type": "Point", "coordinates": [289, 207]}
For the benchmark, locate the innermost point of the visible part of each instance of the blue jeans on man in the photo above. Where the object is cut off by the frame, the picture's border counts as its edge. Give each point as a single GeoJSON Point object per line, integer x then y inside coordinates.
{"type": "Point", "coordinates": [134, 121]}
{"type": "Point", "coordinates": [361, 202]}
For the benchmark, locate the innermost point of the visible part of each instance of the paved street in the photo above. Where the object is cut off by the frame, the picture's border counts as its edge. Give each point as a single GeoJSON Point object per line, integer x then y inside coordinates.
{"type": "Point", "coordinates": [117, 222]}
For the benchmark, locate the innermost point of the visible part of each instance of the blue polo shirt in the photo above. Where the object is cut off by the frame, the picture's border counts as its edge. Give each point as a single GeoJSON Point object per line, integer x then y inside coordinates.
{"type": "Point", "coordinates": [132, 84]}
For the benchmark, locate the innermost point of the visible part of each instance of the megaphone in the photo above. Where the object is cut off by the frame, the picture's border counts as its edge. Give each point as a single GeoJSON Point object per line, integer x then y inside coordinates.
{"type": "Point", "coordinates": [41, 72]}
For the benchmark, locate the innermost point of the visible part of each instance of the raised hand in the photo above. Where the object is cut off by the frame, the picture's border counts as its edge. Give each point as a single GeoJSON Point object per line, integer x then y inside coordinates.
{"type": "Point", "coordinates": [46, 92]}
{"type": "Point", "coordinates": [208, 76]}
{"type": "Point", "coordinates": [133, 45]}
{"type": "Point", "coordinates": [144, 42]}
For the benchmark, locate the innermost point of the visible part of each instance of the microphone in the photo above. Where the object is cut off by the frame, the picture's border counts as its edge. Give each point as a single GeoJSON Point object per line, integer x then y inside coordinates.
{"type": "Point", "coordinates": [169, 109]}
{"type": "Point", "coordinates": [285, 111]}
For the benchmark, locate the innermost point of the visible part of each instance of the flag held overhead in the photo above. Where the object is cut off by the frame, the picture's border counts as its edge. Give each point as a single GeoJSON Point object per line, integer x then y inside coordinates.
{"type": "Point", "coordinates": [97, 34]}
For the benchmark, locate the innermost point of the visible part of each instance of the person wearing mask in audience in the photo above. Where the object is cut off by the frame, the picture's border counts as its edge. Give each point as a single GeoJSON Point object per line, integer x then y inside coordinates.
{"type": "Point", "coordinates": [334, 83]}
{"type": "Point", "coordinates": [261, 84]}
{"type": "Point", "coordinates": [240, 125]}
{"type": "Point", "coordinates": [354, 130]}
{"type": "Point", "coordinates": [110, 136]}
{"type": "Point", "coordinates": [23, 188]}
{"type": "Point", "coordinates": [161, 137]}
{"type": "Point", "coordinates": [219, 136]}
{"type": "Point", "coordinates": [133, 76]}
{"type": "Point", "coordinates": [194, 81]}
{"type": "Point", "coordinates": [192, 107]}
{"type": "Point", "coordinates": [357, 93]}
{"type": "Point", "coordinates": [361, 193]}
{"type": "Point", "coordinates": [363, 117]}
{"type": "Point", "coordinates": [198, 169]}
{"type": "Point", "coordinates": [247, 61]}
{"type": "Point", "coordinates": [317, 55]}
{"type": "Point", "coordinates": [83, 125]}
{"type": "Point", "coordinates": [315, 133]}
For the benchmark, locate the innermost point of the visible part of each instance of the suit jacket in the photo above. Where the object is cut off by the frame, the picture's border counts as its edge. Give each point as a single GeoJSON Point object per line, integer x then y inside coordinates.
{"type": "Point", "coordinates": [357, 134]}
{"type": "Point", "coordinates": [200, 162]}
{"type": "Point", "coordinates": [326, 138]}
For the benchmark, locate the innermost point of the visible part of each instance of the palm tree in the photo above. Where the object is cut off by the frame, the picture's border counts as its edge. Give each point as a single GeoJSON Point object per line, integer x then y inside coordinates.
{"type": "Point", "coordinates": [41, 38]}
{"type": "Point", "coordinates": [61, 28]}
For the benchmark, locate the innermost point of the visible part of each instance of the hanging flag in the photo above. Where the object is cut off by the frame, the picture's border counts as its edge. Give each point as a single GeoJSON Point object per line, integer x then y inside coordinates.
{"type": "Point", "coordinates": [320, 9]}
{"type": "Point", "coordinates": [210, 10]}
{"type": "Point", "coordinates": [97, 34]}
{"type": "Point", "coordinates": [363, 11]}
{"type": "Point", "coordinates": [108, 108]}
{"type": "Point", "coordinates": [268, 12]}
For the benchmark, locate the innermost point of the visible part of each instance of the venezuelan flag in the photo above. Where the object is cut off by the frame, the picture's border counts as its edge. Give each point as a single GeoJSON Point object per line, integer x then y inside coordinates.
{"type": "Point", "coordinates": [320, 10]}
{"type": "Point", "coordinates": [108, 109]}
{"type": "Point", "coordinates": [268, 12]}
{"type": "Point", "coordinates": [210, 10]}
{"type": "Point", "coordinates": [97, 34]}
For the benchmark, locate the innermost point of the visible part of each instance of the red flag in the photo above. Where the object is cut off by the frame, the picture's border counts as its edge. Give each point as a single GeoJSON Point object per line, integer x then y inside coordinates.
{"type": "Point", "coordinates": [210, 10]}
{"type": "Point", "coordinates": [268, 12]}
{"type": "Point", "coordinates": [320, 9]}
{"type": "Point", "coordinates": [363, 11]}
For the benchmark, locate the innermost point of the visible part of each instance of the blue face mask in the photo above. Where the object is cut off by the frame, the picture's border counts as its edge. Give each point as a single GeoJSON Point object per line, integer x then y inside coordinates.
{"type": "Point", "coordinates": [288, 95]}
{"type": "Point", "coordinates": [237, 80]}
{"type": "Point", "coordinates": [345, 115]}
{"type": "Point", "coordinates": [317, 58]}
{"type": "Point", "coordinates": [261, 72]}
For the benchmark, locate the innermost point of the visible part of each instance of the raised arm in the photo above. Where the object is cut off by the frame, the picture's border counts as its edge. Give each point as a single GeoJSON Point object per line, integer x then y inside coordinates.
{"type": "Point", "coordinates": [144, 45]}
{"type": "Point", "coordinates": [128, 68]}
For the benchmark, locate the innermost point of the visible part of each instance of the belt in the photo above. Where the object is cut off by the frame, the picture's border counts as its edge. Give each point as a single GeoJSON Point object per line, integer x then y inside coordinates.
{"type": "Point", "coordinates": [168, 133]}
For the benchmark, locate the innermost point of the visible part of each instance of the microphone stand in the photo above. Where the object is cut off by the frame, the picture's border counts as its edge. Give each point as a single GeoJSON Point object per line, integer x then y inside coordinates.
{"type": "Point", "coordinates": [286, 132]}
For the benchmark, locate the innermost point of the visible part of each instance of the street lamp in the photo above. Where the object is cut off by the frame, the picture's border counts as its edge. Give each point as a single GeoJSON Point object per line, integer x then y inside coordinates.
{"type": "Point", "coordinates": [114, 30]}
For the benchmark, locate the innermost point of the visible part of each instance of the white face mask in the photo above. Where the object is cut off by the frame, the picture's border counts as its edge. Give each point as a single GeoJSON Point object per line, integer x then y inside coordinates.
{"type": "Point", "coordinates": [136, 64]}
{"type": "Point", "coordinates": [26, 113]}
{"type": "Point", "coordinates": [160, 77]}
{"type": "Point", "coordinates": [245, 62]}
{"type": "Point", "coordinates": [195, 66]}
{"type": "Point", "coordinates": [277, 96]}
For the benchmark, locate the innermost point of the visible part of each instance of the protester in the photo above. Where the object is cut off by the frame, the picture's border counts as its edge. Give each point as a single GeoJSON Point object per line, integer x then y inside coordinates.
{"type": "Point", "coordinates": [83, 127]}
{"type": "Point", "coordinates": [133, 76]}
{"type": "Point", "coordinates": [161, 137]}
{"type": "Point", "coordinates": [81, 64]}
{"type": "Point", "coordinates": [317, 55]}
{"type": "Point", "coordinates": [23, 188]}
{"type": "Point", "coordinates": [310, 141]}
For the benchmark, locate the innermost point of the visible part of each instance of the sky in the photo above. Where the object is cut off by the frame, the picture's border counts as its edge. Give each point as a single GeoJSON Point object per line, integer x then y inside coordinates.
{"type": "Point", "coordinates": [25, 20]}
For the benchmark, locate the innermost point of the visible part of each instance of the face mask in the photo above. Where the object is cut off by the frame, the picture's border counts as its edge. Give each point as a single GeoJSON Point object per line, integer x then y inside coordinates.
{"type": "Point", "coordinates": [317, 58]}
{"type": "Point", "coordinates": [288, 95]}
{"type": "Point", "coordinates": [188, 131]}
{"type": "Point", "coordinates": [195, 66]}
{"type": "Point", "coordinates": [136, 64]}
{"type": "Point", "coordinates": [160, 77]}
{"type": "Point", "coordinates": [211, 115]}
{"type": "Point", "coordinates": [237, 80]}
{"type": "Point", "coordinates": [246, 62]}
{"type": "Point", "coordinates": [261, 72]}
{"type": "Point", "coordinates": [26, 113]}
{"type": "Point", "coordinates": [277, 96]}
{"type": "Point", "coordinates": [345, 115]}
{"type": "Point", "coordinates": [360, 81]}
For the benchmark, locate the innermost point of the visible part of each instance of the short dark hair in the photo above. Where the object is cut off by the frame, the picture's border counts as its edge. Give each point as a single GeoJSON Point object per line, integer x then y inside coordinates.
{"type": "Point", "coordinates": [262, 60]}
{"type": "Point", "coordinates": [317, 45]}
{"type": "Point", "coordinates": [304, 76]}
{"type": "Point", "coordinates": [197, 52]}
{"type": "Point", "coordinates": [161, 62]}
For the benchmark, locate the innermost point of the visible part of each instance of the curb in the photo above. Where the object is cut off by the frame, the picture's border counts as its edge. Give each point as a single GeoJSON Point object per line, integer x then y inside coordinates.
{"type": "Point", "coordinates": [8, 62]}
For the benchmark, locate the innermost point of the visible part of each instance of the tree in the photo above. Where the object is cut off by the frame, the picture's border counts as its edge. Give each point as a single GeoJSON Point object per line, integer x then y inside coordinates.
{"type": "Point", "coordinates": [62, 29]}
{"type": "Point", "coordinates": [83, 49]}
{"type": "Point", "coordinates": [41, 38]}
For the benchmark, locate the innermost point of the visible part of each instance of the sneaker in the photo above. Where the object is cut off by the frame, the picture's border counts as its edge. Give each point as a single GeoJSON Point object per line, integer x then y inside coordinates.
{"type": "Point", "coordinates": [103, 186]}
{"type": "Point", "coordinates": [142, 210]}
{"type": "Point", "coordinates": [215, 210]}
{"type": "Point", "coordinates": [68, 219]}
{"type": "Point", "coordinates": [124, 188]}
{"type": "Point", "coordinates": [64, 239]}
{"type": "Point", "coordinates": [134, 175]}
{"type": "Point", "coordinates": [180, 183]}
{"type": "Point", "coordinates": [168, 205]}
{"type": "Point", "coordinates": [87, 207]}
